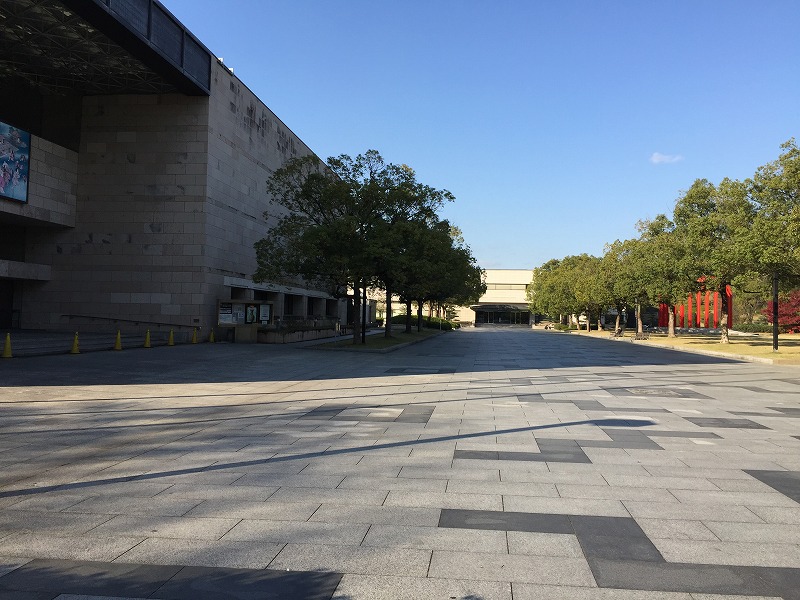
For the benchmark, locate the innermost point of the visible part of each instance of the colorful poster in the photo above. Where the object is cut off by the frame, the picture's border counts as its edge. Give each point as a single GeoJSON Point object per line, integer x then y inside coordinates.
{"type": "Point", "coordinates": [251, 313]}
{"type": "Point", "coordinates": [15, 157]}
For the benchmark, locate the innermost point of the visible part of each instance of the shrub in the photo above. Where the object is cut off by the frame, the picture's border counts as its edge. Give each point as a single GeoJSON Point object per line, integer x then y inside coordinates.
{"type": "Point", "coordinates": [753, 328]}
{"type": "Point", "coordinates": [427, 322]}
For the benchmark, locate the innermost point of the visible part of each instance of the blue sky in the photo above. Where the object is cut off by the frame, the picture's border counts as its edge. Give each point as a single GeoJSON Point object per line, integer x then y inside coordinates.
{"type": "Point", "coordinates": [557, 125]}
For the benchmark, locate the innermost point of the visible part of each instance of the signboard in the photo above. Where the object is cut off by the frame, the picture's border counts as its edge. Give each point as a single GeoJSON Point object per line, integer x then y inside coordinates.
{"type": "Point", "coordinates": [15, 158]}
{"type": "Point", "coordinates": [235, 313]}
{"type": "Point", "coordinates": [225, 313]}
{"type": "Point", "coordinates": [238, 314]}
{"type": "Point", "coordinates": [230, 313]}
{"type": "Point", "coordinates": [264, 313]}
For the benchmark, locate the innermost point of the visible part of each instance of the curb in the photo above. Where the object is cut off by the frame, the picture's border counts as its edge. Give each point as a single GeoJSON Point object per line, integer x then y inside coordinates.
{"type": "Point", "coordinates": [742, 357]}
{"type": "Point", "coordinates": [382, 350]}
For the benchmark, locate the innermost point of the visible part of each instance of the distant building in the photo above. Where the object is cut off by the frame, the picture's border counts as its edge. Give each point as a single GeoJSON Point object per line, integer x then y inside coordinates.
{"type": "Point", "coordinates": [504, 302]}
{"type": "Point", "coordinates": [137, 166]}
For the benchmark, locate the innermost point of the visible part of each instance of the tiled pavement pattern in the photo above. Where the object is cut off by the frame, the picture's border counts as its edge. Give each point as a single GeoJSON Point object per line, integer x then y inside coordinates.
{"type": "Point", "coordinates": [484, 463]}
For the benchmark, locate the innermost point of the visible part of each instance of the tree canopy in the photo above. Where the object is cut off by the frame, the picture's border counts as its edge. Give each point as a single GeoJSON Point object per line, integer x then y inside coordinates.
{"type": "Point", "coordinates": [360, 222]}
{"type": "Point", "coordinates": [733, 233]}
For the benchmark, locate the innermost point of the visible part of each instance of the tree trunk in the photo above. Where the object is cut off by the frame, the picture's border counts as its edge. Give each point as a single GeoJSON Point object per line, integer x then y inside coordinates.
{"type": "Point", "coordinates": [387, 323]}
{"type": "Point", "coordinates": [364, 314]}
{"type": "Point", "coordinates": [639, 323]}
{"type": "Point", "coordinates": [723, 314]}
{"type": "Point", "coordinates": [356, 313]}
{"type": "Point", "coordinates": [408, 316]}
{"type": "Point", "coordinates": [671, 322]}
{"type": "Point", "coordinates": [618, 320]}
{"type": "Point", "coordinates": [419, 315]}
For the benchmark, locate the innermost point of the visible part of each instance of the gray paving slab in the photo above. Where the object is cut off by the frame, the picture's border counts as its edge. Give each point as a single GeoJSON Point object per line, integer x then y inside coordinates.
{"type": "Point", "coordinates": [377, 515]}
{"type": "Point", "coordinates": [296, 532]}
{"type": "Point", "coordinates": [166, 526]}
{"type": "Point", "coordinates": [369, 464]}
{"type": "Point", "coordinates": [511, 567]}
{"type": "Point", "coordinates": [363, 560]}
{"type": "Point", "coordinates": [208, 553]}
{"type": "Point", "coordinates": [373, 587]}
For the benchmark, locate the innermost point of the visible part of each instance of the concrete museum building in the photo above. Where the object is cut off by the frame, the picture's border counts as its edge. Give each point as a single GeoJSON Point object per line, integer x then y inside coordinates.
{"type": "Point", "coordinates": [133, 167]}
{"type": "Point", "coordinates": [505, 301]}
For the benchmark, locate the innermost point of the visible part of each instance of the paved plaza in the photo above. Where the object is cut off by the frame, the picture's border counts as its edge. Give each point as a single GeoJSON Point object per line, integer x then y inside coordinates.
{"type": "Point", "coordinates": [481, 464]}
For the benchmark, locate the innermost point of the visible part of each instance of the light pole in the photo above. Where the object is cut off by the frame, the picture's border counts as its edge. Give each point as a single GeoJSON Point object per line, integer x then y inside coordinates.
{"type": "Point", "coordinates": [775, 311]}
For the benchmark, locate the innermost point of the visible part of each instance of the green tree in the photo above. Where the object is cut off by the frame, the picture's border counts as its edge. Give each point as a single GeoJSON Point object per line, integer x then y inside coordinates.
{"type": "Point", "coordinates": [663, 265]}
{"type": "Point", "coordinates": [550, 292]}
{"type": "Point", "coordinates": [714, 222]}
{"type": "Point", "coordinates": [774, 237]}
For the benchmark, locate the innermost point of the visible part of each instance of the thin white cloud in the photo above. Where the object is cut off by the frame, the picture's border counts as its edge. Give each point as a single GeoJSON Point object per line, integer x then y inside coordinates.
{"type": "Point", "coordinates": [665, 159]}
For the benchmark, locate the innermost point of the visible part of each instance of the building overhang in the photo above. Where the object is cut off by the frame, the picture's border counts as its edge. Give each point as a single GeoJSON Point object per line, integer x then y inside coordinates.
{"type": "Point", "coordinates": [96, 47]}
{"type": "Point", "coordinates": [12, 269]}
{"type": "Point", "coordinates": [500, 307]}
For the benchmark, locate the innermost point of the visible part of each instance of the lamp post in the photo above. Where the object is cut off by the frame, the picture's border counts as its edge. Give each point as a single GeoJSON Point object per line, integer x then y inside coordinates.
{"type": "Point", "coordinates": [775, 311]}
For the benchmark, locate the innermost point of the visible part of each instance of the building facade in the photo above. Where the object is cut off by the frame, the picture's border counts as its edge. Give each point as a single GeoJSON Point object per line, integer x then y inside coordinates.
{"type": "Point", "coordinates": [504, 302]}
{"type": "Point", "coordinates": [146, 183]}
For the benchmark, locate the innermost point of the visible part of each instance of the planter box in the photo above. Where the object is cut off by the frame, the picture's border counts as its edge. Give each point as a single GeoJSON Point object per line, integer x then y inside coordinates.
{"type": "Point", "coordinates": [286, 337]}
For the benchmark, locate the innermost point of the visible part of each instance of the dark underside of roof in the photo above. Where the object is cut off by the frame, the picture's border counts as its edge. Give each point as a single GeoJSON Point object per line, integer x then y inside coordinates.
{"type": "Point", "coordinates": [94, 47]}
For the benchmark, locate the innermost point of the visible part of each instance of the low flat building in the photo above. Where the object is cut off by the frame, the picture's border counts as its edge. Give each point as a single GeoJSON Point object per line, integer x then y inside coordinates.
{"type": "Point", "coordinates": [504, 302]}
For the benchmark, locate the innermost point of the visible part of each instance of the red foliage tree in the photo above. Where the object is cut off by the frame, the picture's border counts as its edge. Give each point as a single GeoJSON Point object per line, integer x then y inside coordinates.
{"type": "Point", "coordinates": [788, 311]}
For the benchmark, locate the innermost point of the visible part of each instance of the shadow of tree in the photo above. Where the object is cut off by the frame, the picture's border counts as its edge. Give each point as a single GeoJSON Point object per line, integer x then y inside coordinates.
{"type": "Point", "coordinates": [609, 422]}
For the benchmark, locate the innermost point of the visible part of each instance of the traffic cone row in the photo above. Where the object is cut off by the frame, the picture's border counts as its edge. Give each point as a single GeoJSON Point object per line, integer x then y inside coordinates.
{"type": "Point", "coordinates": [7, 353]}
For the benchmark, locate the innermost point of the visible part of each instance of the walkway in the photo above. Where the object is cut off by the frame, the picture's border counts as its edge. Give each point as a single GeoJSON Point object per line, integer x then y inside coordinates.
{"type": "Point", "coordinates": [485, 463]}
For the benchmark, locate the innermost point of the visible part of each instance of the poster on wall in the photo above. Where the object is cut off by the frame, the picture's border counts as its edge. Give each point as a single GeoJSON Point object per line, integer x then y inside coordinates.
{"type": "Point", "coordinates": [264, 313]}
{"type": "Point", "coordinates": [251, 314]}
{"type": "Point", "coordinates": [15, 156]}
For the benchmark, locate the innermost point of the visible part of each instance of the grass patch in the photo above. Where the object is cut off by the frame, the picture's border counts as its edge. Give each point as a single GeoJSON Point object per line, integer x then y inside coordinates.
{"type": "Point", "coordinates": [379, 341]}
{"type": "Point", "coordinates": [758, 346]}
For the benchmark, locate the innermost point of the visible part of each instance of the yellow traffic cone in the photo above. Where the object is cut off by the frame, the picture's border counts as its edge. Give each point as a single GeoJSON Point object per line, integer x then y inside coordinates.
{"type": "Point", "coordinates": [7, 347]}
{"type": "Point", "coordinates": [147, 339]}
{"type": "Point", "coordinates": [171, 340]}
{"type": "Point", "coordinates": [211, 339]}
{"type": "Point", "coordinates": [75, 349]}
{"type": "Point", "coordinates": [194, 336]}
{"type": "Point", "coordinates": [118, 342]}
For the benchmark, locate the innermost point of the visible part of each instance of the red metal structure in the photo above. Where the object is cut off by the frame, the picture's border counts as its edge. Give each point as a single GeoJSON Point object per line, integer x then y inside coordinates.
{"type": "Point", "coordinates": [701, 309]}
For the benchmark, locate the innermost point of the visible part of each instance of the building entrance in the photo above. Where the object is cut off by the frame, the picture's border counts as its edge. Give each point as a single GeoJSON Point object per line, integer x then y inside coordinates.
{"type": "Point", "coordinates": [502, 317]}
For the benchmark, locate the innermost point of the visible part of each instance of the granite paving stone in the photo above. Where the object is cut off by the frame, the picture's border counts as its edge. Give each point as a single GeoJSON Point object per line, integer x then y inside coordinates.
{"type": "Point", "coordinates": [372, 587]}
{"type": "Point", "coordinates": [298, 532]}
{"type": "Point", "coordinates": [208, 553]}
{"type": "Point", "coordinates": [91, 548]}
{"type": "Point", "coordinates": [767, 554]}
{"type": "Point", "coordinates": [377, 515]}
{"type": "Point", "coordinates": [166, 526]}
{"type": "Point", "coordinates": [436, 538]}
{"type": "Point", "coordinates": [363, 560]}
{"type": "Point", "coordinates": [489, 462]}
{"type": "Point", "coordinates": [511, 567]}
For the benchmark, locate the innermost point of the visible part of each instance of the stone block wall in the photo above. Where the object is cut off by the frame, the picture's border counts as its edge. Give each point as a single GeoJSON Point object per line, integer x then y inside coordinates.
{"type": "Point", "coordinates": [52, 191]}
{"type": "Point", "coordinates": [247, 142]}
{"type": "Point", "coordinates": [137, 250]}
